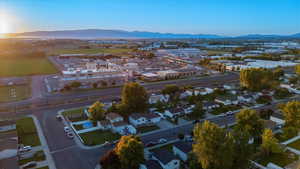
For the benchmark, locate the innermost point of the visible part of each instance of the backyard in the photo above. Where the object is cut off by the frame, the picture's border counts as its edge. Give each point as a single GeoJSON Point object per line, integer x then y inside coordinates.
{"type": "Point", "coordinates": [280, 159]}
{"type": "Point", "coordinates": [75, 115]}
{"type": "Point", "coordinates": [14, 93]}
{"type": "Point", "coordinates": [27, 132]}
{"type": "Point", "coordinates": [98, 137]}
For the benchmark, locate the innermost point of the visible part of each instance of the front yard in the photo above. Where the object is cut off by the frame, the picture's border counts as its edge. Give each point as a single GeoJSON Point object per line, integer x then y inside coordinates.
{"type": "Point", "coordinates": [224, 109]}
{"type": "Point", "coordinates": [280, 159]}
{"type": "Point", "coordinates": [38, 156]}
{"type": "Point", "coordinates": [295, 144]}
{"type": "Point", "coordinates": [146, 129]}
{"type": "Point", "coordinates": [27, 132]}
{"type": "Point", "coordinates": [98, 137]}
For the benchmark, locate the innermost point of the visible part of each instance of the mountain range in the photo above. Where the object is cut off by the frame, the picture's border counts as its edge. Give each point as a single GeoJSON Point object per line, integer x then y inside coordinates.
{"type": "Point", "coordinates": [101, 33]}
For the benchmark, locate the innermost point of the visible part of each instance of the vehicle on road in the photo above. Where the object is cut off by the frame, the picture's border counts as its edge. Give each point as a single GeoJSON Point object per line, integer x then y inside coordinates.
{"type": "Point", "coordinates": [162, 140]}
{"type": "Point", "coordinates": [67, 129]}
{"type": "Point", "coordinates": [25, 149]}
{"type": "Point", "coordinates": [188, 138]}
{"type": "Point", "coordinates": [230, 113]}
{"type": "Point", "coordinates": [151, 143]}
{"type": "Point", "coordinates": [106, 143]}
{"type": "Point", "coordinates": [70, 135]}
{"type": "Point", "coordinates": [30, 165]}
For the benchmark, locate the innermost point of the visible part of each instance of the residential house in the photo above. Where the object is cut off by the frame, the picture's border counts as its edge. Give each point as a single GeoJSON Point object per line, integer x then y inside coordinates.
{"type": "Point", "coordinates": [203, 91]}
{"type": "Point", "coordinates": [245, 98]}
{"type": "Point", "coordinates": [227, 100]}
{"type": "Point", "coordinates": [269, 124]}
{"type": "Point", "coordinates": [151, 164]}
{"type": "Point", "coordinates": [166, 159]}
{"type": "Point", "coordinates": [139, 119]}
{"type": "Point", "coordinates": [123, 128]}
{"type": "Point", "coordinates": [114, 117]}
{"type": "Point", "coordinates": [104, 124]}
{"type": "Point", "coordinates": [155, 98]}
{"type": "Point", "coordinates": [174, 112]}
{"type": "Point", "coordinates": [210, 105]}
{"type": "Point", "coordinates": [277, 118]}
{"type": "Point", "coordinates": [182, 149]}
{"type": "Point", "coordinates": [7, 125]}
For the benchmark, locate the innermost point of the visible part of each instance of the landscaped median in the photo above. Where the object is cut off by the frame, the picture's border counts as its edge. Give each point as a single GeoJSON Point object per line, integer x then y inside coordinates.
{"type": "Point", "coordinates": [27, 133]}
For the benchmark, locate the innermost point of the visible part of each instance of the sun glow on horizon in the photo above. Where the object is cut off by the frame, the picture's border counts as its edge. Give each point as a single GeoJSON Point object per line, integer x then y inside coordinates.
{"type": "Point", "coordinates": [6, 23]}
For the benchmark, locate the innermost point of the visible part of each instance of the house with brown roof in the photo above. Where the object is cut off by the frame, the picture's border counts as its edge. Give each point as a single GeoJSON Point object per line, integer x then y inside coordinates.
{"type": "Point", "coordinates": [114, 117]}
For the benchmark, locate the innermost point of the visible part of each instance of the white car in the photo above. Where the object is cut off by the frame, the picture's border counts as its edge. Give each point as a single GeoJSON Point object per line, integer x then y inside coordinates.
{"type": "Point", "coordinates": [67, 129]}
{"type": "Point", "coordinates": [25, 149]}
{"type": "Point", "coordinates": [70, 135]}
{"type": "Point", "coordinates": [162, 140]}
{"type": "Point", "coordinates": [229, 113]}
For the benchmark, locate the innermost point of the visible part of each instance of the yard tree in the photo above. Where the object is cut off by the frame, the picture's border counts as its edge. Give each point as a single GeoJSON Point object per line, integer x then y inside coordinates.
{"type": "Point", "coordinates": [134, 98]}
{"type": "Point", "coordinates": [266, 113]}
{"type": "Point", "coordinates": [213, 146]}
{"type": "Point", "coordinates": [242, 149]}
{"type": "Point", "coordinates": [110, 160]}
{"type": "Point", "coordinates": [257, 79]}
{"type": "Point", "coordinates": [192, 161]}
{"type": "Point", "coordinates": [130, 150]}
{"type": "Point", "coordinates": [197, 111]}
{"type": "Point", "coordinates": [75, 84]}
{"type": "Point", "coordinates": [289, 132]}
{"type": "Point", "coordinates": [96, 111]}
{"type": "Point", "coordinates": [248, 120]}
{"type": "Point", "coordinates": [269, 143]}
{"type": "Point", "coordinates": [291, 112]}
{"type": "Point", "coordinates": [170, 90]}
{"type": "Point", "coordinates": [297, 69]}
{"type": "Point", "coordinates": [278, 72]}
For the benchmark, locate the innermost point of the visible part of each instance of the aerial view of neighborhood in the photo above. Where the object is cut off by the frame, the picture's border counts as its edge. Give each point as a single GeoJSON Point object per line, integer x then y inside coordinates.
{"type": "Point", "coordinates": [149, 84]}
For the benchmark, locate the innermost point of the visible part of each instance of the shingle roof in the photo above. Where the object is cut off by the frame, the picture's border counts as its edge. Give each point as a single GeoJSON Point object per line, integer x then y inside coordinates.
{"type": "Point", "coordinates": [120, 123]}
{"type": "Point", "coordinates": [164, 156]}
{"type": "Point", "coordinates": [183, 146]}
{"type": "Point", "coordinates": [146, 115]}
{"type": "Point", "coordinates": [113, 116]}
{"type": "Point", "coordinates": [153, 164]}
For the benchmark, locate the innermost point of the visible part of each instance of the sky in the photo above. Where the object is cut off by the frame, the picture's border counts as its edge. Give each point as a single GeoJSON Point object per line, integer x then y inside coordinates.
{"type": "Point", "coordinates": [222, 17]}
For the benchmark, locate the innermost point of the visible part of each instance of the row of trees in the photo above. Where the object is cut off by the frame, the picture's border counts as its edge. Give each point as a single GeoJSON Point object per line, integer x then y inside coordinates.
{"type": "Point", "coordinates": [257, 79]}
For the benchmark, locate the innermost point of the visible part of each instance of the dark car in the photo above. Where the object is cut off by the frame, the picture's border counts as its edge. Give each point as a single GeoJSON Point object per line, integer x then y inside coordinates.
{"type": "Point", "coordinates": [151, 143]}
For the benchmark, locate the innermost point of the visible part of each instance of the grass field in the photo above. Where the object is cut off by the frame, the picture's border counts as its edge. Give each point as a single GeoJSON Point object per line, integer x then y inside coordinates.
{"type": "Point", "coordinates": [23, 66]}
{"type": "Point", "coordinates": [14, 93]}
{"type": "Point", "coordinates": [98, 137]}
{"type": "Point", "coordinates": [27, 132]}
{"type": "Point", "coordinates": [90, 51]}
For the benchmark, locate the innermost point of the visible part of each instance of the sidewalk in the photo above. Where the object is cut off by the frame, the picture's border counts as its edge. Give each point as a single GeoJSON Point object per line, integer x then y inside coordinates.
{"type": "Point", "coordinates": [44, 144]}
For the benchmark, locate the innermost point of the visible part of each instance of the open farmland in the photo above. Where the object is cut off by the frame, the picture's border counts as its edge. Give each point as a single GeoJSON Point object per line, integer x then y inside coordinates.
{"type": "Point", "coordinates": [24, 65]}
{"type": "Point", "coordinates": [91, 51]}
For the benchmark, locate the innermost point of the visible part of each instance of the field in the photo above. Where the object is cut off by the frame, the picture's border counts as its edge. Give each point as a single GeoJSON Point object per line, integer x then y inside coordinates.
{"type": "Point", "coordinates": [14, 93]}
{"type": "Point", "coordinates": [24, 66]}
{"type": "Point", "coordinates": [27, 132]}
{"type": "Point", "coordinates": [91, 51]}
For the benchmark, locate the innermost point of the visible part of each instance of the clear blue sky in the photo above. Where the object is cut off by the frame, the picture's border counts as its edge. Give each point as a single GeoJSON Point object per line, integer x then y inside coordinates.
{"type": "Point", "coordinates": [225, 17]}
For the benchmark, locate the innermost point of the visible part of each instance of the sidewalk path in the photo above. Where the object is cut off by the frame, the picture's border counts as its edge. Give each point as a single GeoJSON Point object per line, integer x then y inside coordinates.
{"type": "Point", "coordinates": [49, 158]}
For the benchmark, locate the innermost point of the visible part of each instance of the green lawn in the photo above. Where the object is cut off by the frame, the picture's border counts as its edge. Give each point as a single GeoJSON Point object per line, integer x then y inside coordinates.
{"type": "Point", "coordinates": [98, 137]}
{"type": "Point", "coordinates": [14, 93]}
{"type": "Point", "coordinates": [27, 132]}
{"type": "Point", "coordinates": [280, 159]}
{"type": "Point", "coordinates": [38, 156]}
{"type": "Point", "coordinates": [168, 147]}
{"type": "Point", "coordinates": [146, 129]}
{"type": "Point", "coordinates": [280, 137]}
{"type": "Point", "coordinates": [295, 144]}
{"type": "Point", "coordinates": [69, 114]}
{"type": "Point", "coordinates": [24, 66]}
{"type": "Point", "coordinates": [91, 51]}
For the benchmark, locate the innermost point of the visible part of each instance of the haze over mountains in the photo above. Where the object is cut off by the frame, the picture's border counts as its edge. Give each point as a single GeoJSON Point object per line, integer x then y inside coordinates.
{"type": "Point", "coordinates": [101, 33]}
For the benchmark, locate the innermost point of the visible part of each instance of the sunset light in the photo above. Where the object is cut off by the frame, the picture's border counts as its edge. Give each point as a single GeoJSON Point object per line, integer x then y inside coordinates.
{"type": "Point", "coordinates": [6, 23]}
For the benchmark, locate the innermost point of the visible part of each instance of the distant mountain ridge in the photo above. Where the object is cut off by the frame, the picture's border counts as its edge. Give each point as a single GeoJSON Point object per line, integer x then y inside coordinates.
{"type": "Point", "coordinates": [102, 33]}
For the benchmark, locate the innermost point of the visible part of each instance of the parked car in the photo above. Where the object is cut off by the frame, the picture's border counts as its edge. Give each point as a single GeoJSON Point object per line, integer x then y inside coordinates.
{"type": "Point", "coordinates": [106, 143]}
{"type": "Point", "coordinates": [59, 117]}
{"type": "Point", "coordinates": [196, 121]}
{"type": "Point", "coordinates": [70, 135]}
{"type": "Point", "coordinates": [162, 140]}
{"type": "Point", "coordinates": [25, 149]}
{"type": "Point", "coordinates": [30, 165]}
{"type": "Point", "coordinates": [230, 113]}
{"type": "Point", "coordinates": [188, 138]}
{"type": "Point", "coordinates": [67, 129]}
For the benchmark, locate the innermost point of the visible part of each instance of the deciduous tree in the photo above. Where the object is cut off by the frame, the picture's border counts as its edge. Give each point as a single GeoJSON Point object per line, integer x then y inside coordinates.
{"type": "Point", "coordinates": [130, 150]}
{"type": "Point", "coordinates": [213, 146]}
{"type": "Point", "coordinates": [269, 143]}
{"type": "Point", "coordinates": [291, 112]}
{"type": "Point", "coordinates": [96, 111]}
